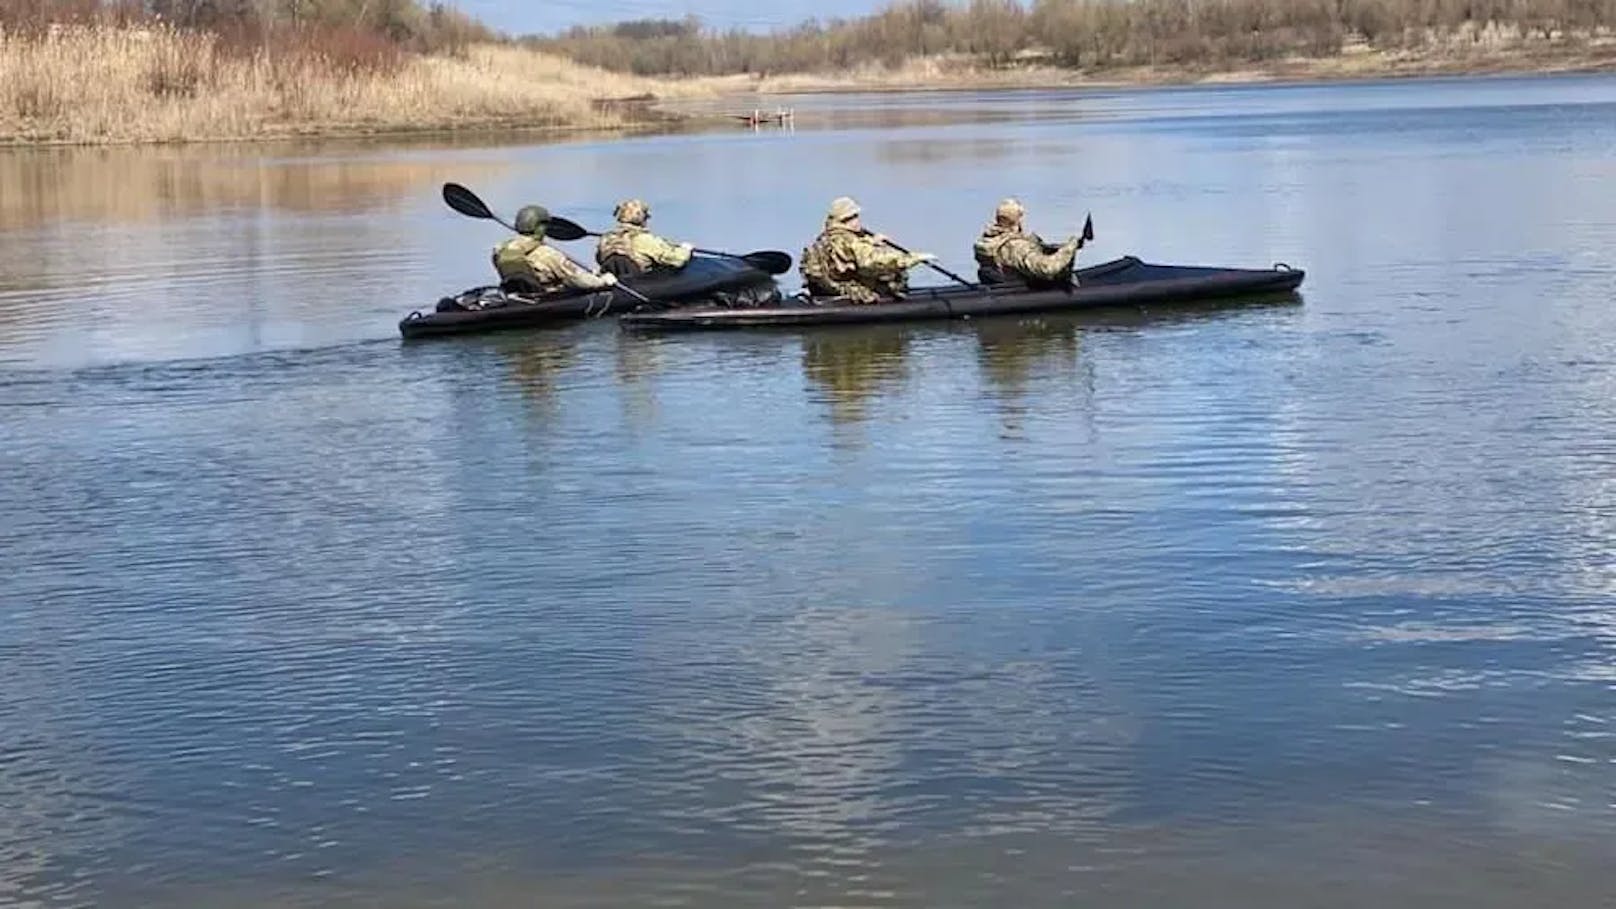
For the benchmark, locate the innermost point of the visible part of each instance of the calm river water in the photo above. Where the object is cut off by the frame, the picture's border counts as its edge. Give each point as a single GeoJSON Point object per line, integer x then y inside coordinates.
{"type": "Point", "coordinates": [1307, 603]}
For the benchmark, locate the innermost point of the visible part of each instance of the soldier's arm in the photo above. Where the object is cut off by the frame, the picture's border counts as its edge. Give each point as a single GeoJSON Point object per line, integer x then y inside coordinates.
{"type": "Point", "coordinates": [570, 273]}
{"type": "Point", "coordinates": [879, 258]}
{"type": "Point", "coordinates": [1051, 265]}
{"type": "Point", "coordinates": [662, 252]}
{"type": "Point", "coordinates": [584, 280]}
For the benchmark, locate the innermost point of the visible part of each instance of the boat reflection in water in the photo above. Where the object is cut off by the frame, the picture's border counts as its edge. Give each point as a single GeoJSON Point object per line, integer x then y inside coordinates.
{"type": "Point", "coordinates": [849, 368]}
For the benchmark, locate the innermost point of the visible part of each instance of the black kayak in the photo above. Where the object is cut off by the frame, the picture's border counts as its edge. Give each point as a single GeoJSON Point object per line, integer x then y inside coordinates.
{"type": "Point", "coordinates": [1124, 282]}
{"type": "Point", "coordinates": [490, 309]}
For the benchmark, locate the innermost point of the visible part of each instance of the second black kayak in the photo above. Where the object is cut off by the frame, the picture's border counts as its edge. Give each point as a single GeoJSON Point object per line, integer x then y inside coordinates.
{"type": "Point", "coordinates": [1124, 282]}
{"type": "Point", "coordinates": [490, 309]}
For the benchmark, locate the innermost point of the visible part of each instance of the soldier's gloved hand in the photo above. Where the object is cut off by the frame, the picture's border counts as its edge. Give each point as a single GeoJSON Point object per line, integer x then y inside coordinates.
{"type": "Point", "coordinates": [687, 248]}
{"type": "Point", "coordinates": [879, 239]}
{"type": "Point", "coordinates": [609, 279]}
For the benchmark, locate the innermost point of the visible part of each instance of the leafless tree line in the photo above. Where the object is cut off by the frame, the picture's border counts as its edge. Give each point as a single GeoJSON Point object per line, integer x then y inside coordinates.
{"type": "Point", "coordinates": [1078, 33]}
{"type": "Point", "coordinates": [359, 28]}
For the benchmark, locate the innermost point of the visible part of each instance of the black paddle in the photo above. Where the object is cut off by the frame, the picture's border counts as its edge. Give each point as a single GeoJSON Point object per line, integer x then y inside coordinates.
{"type": "Point", "coordinates": [1083, 238]}
{"type": "Point", "coordinates": [935, 267]}
{"type": "Point", "coordinates": [771, 261]}
{"type": "Point", "coordinates": [466, 202]}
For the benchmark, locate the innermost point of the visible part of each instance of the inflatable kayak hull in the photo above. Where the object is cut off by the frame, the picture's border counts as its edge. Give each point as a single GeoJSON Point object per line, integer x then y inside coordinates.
{"type": "Point", "coordinates": [1123, 282]}
{"type": "Point", "coordinates": [496, 311]}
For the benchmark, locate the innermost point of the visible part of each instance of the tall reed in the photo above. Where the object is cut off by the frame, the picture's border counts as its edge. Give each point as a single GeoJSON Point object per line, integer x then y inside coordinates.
{"type": "Point", "coordinates": [103, 81]}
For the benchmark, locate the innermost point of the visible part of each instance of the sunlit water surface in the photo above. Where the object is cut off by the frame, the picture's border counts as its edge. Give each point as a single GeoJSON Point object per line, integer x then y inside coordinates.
{"type": "Point", "coordinates": [1297, 602]}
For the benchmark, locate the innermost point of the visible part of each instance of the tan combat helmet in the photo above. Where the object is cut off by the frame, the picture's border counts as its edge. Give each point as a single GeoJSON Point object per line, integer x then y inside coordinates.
{"type": "Point", "coordinates": [843, 209]}
{"type": "Point", "coordinates": [1009, 213]}
{"type": "Point", "coordinates": [632, 211]}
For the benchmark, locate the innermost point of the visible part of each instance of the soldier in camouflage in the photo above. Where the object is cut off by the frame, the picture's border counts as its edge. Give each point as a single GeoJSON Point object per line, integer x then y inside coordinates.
{"type": "Point", "coordinates": [847, 261]}
{"type": "Point", "coordinates": [1007, 251]}
{"type": "Point", "coordinates": [629, 248]}
{"type": "Point", "coordinates": [525, 263]}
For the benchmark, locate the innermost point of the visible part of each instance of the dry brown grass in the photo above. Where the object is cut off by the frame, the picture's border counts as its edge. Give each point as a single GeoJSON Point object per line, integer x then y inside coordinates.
{"type": "Point", "coordinates": [103, 83]}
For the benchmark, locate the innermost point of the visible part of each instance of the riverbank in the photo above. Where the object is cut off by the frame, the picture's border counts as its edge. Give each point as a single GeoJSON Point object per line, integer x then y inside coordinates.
{"type": "Point", "coordinates": [115, 85]}
{"type": "Point", "coordinates": [108, 84]}
{"type": "Point", "coordinates": [1355, 62]}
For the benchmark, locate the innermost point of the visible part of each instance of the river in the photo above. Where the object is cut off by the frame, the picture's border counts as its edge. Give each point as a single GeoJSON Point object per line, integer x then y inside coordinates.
{"type": "Point", "coordinates": [1307, 602]}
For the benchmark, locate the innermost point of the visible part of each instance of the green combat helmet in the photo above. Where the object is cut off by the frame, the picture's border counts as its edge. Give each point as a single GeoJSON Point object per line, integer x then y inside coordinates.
{"type": "Point", "coordinates": [531, 219]}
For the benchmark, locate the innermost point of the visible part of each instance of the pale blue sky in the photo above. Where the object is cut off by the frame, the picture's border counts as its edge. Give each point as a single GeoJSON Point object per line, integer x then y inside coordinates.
{"type": "Point", "coordinates": [524, 16]}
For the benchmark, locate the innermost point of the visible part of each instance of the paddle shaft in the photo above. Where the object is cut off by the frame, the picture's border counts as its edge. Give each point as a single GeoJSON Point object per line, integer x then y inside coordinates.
{"type": "Point", "coordinates": [618, 286]}
{"type": "Point", "coordinates": [771, 261]}
{"type": "Point", "coordinates": [934, 266]}
{"type": "Point", "coordinates": [694, 249]}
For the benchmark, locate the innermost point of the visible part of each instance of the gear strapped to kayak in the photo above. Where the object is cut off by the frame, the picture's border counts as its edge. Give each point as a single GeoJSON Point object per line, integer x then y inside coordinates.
{"type": "Point", "coordinates": [705, 280]}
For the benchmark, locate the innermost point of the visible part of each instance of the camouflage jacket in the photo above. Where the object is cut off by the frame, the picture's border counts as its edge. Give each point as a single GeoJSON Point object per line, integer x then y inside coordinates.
{"type": "Point", "coordinates": [846, 263]}
{"type": "Point", "coordinates": [1024, 255]}
{"type": "Point", "coordinates": [528, 259]}
{"type": "Point", "coordinates": [645, 249]}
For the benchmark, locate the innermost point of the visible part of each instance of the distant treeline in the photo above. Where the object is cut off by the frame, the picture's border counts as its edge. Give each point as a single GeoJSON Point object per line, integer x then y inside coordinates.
{"type": "Point", "coordinates": [1078, 33]}
{"type": "Point", "coordinates": [358, 28]}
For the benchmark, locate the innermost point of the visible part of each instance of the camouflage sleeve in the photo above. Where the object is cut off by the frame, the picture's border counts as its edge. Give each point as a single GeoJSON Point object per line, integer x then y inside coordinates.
{"type": "Point", "coordinates": [581, 279]}
{"type": "Point", "coordinates": [544, 258]}
{"type": "Point", "coordinates": [879, 259]}
{"type": "Point", "coordinates": [1028, 257]}
{"type": "Point", "coordinates": [980, 250]}
{"type": "Point", "coordinates": [660, 251]}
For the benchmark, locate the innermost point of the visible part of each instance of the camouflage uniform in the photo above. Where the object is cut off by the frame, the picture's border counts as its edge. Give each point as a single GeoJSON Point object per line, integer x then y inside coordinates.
{"type": "Point", "coordinates": [847, 262]}
{"type": "Point", "coordinates": [526, 260]}
{"type": "Point", "coordinates": [1006, 251]}
{"type": "Point", "coordinates": [630, 240]}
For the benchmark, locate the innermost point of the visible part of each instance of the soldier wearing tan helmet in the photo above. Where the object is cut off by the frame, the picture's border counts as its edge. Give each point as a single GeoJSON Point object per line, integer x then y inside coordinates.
{"type": "Point", "coordinates": [1007, 251]}
{"type": "Point", "coordinates": [525, 263]}
{"type": "Point", "coordinates": [629, 248]}
{"type": "Point", "coordinates": [847, 261]}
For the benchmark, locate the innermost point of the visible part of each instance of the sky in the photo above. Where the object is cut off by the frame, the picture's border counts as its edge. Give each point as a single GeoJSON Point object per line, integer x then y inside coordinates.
{"type": "Point", "coordinates": [527, 16]}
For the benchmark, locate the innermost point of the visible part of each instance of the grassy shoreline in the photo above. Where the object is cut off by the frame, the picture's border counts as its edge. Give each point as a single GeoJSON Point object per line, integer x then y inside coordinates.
{"type": "Point", "coordinates": [108, 85]}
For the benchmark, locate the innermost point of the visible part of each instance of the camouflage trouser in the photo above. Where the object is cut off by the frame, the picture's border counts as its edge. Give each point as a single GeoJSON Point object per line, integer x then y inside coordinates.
{"type": "Point", "coordinates": [857, 292]}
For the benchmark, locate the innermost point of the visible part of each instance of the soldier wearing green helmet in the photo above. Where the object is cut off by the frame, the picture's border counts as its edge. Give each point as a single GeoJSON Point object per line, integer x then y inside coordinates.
{"type": "Point", "coordinates": [526, 263]}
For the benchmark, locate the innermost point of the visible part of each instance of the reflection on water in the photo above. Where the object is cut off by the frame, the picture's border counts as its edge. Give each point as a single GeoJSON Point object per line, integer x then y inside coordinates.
{"type": "Point", "coordinates": [1266, 603]}
{"type": "Point", "coordinates": [133, 186]}
{"type": "Point", "coordinates": [539, 364]}
{"type": "Point", "coordinates": [852, 367]}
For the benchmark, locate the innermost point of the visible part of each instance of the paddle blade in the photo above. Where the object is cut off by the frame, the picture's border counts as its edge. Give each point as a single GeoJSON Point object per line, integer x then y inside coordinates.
{"type": "Point", "coordinates": [771, 261]}
{"type": "Point", "coordinates": [466, 202]}
{"type": "Point", "coordinates": [1088, 228]}
{"type": "Point", "coordinates": [563, 230]}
